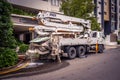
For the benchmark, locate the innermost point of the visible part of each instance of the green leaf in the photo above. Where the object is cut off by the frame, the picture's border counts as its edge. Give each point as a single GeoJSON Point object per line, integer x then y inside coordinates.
{"type": "Point", "coordinates": [80, 9]}
{"type": "Point", "coordinates": [6, 27]}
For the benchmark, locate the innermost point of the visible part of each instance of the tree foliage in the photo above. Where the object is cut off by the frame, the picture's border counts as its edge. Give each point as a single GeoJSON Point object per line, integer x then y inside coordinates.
{"type": "Point", "coordinates": [94, 24]}
{"type": "Point", "coordinates": [8, 56]}
{"type": "Point", "coordinates": [21, 12]}
{"type": "Point", "coordinates": [6, 27]}
{"type": "Point", "coordinates": [23, 48]}
{"type": "Point", "coordinates": [80, 9]}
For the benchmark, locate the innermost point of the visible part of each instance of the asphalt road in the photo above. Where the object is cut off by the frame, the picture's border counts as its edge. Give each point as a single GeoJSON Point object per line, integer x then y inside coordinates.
{"type": "Point", "coordinates": [104, 66]}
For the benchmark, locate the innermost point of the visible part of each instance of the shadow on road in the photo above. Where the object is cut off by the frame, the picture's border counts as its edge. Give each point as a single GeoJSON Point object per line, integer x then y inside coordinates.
{"type": "Point", "coordinates": [48, 66]}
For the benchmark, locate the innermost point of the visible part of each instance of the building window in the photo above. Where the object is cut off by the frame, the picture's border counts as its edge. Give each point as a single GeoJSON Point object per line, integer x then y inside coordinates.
{"type": "Point", "coordinates": [119, 25]}
{"type": "Point", "coordinates": [113, 8]}
{"type": "Point", "coordinates": [45, 0]}
{"type": "Point", "coordinates": [105, 13]}
{"type": "Point", "coordinates": [112, 17]}
{"type": "Point", "coordinates": [105, 3]}
{"type": "Point", "coordinates": [113, 1]}
{"type": "Point", "coordinates": [55, 2]}
{"type": "Point", "coordinates": [99, 12]}
{"type": "Point", "coordinates": [94, 35]}
{"type": "Point", "coordinates": [99, 2]}
{"type": "Point", "coordinates": [113, 26]}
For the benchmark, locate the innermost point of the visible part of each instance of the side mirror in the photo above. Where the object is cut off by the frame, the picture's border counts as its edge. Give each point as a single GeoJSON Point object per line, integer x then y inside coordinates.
{"type": "Point", "coordinates": [103, 37]}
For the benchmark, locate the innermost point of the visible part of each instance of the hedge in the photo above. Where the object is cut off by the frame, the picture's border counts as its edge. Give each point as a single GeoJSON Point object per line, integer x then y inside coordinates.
{"type": "Point", "coordinates": [8, 57]}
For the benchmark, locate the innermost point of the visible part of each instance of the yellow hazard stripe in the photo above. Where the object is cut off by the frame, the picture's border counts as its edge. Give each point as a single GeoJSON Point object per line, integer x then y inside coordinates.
{"type": "Point", "coordinates": [12, 70]}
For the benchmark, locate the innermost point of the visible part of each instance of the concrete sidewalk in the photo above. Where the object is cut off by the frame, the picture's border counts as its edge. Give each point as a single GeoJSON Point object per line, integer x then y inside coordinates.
{"type": "Point", "coordinates": [111, 46]}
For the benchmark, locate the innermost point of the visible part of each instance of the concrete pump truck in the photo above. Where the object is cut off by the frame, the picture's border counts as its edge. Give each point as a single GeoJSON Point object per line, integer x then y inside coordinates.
{"type": "Point", "coordinates": [59, 34]}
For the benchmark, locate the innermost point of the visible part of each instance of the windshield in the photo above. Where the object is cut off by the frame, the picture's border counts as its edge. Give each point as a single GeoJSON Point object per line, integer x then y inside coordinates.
{"type": "Point", "coordinates": [85, 35]}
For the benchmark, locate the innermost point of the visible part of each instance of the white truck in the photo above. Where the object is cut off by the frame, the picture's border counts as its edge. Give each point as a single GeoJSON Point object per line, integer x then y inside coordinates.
{"type": "Point", "coordinates": [59, 34]}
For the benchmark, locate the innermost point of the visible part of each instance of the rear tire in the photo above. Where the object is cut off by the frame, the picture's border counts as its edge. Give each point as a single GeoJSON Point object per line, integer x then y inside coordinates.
{"type": "Point", "coordinates": [100, 48]}
{"type": "Point", "coordinates": [71, 52]}
{"type": "Point", "coordinates": [81, 51]}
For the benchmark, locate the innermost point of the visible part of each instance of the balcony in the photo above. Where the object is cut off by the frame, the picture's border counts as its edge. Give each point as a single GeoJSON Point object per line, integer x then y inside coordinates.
{"type": "Point", "coordinates": [22, 23]}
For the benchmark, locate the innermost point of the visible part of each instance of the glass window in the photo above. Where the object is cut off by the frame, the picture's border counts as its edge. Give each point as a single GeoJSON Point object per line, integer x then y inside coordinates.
{"type": "Point", "coordinates": [105, 13]}
{"type": "Point", "coordinates": [105, 3]}
{"type": "Point", "coordinates": [99, 12]}
{"type": "Point", "coordinates": [113, 1]}
{"type": "Point", "coordinates": [94, 35]}
{"type": "Point", "coordinates": [119, 24]}
{"type": "Point", "coordinates": [45, 0]}
{"type": "Point", "coordinates": [99, 2]}
{"type": "Point", "coordinates": [55, 2]}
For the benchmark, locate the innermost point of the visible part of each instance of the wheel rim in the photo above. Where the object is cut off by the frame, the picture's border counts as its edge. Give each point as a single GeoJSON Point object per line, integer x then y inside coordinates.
{"type": "Point", "coordinates": [81, 51]}
{"type": "Point", "coordinates": [72, 53]}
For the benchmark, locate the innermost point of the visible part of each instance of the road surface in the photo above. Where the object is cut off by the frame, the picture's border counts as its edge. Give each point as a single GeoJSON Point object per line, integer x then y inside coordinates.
{"type": "Point", "coordinates": [104, 66]}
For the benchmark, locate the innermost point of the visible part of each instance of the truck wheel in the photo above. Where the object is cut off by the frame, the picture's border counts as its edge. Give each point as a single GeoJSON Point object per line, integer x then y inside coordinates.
{"type": "Point", "coordinates": [100, 48]}
{"type": "Point", "coordinates": [81, 51]}
{"type": "Point", "coordinates": [71, 52]}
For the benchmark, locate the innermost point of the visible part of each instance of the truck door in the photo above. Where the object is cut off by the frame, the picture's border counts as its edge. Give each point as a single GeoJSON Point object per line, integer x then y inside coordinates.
{"type": "Point", "coordinates": [94, 36]}
{"type": "Point", "coordinates": [97, 37]}
{"type": "Point", "coordinates": [101, 38]}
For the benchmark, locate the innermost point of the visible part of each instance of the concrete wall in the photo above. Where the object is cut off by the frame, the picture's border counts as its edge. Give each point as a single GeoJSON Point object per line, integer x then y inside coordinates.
{"type": "Point", "coordinates": [118, 18]}
{"type": "Point", "coordinates": [37, 4]}
{"type": "Point", "coordinates": [99, 12]}
{"type": "Point", "coordinates": [106, 10]}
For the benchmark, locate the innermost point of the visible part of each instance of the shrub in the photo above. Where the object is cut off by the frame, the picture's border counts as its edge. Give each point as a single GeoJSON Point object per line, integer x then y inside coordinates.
{"type": "Point", "coordinates": [118, 41]}
{"type": "Point", "coordinates": [21, 12]}
{"type": "Point", "coordinates": [8, 57]}
{"type": "Point", "coordinates": [23, 48]}
{"type": "Point", "coordinates": [6, 26]}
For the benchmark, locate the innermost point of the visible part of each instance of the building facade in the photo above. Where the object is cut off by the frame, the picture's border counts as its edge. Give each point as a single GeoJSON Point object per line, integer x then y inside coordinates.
{"type": "Point", "coordinates": [22, 23]}
{"type": "Point", "coordinates": [106, 13]}
{"type": "Point", "coordinates": [118, 18]}
{"type": "Point", "coordinates": [98, 11]}
{"type": "Point", "coordinates": [47, 5]}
